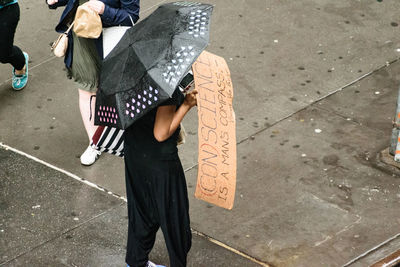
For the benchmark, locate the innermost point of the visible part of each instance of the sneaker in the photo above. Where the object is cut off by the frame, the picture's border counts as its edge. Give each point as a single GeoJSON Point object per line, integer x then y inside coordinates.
{"type": "Point", "coordinates": [19, 81]}
{"type": "Point", "coordinates": [89, 156]}
{"type": "Point", "coordinates": [152, 264]}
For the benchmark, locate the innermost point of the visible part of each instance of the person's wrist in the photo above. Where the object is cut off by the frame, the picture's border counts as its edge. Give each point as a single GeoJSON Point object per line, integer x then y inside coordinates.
{"type": "Point", "coordinates": [186, 106]}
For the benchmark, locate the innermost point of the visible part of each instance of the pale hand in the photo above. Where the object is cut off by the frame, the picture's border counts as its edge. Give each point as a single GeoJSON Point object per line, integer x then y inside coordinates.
{"type": "Point", "coordinates": [51, 2]}
{"type": "Point", "coordinates": [190, 98]}
{"type": "Point", "coordinates": [96, 5]}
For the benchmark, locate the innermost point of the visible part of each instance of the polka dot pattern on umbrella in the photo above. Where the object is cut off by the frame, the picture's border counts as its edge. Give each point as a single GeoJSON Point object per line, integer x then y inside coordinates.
{"type": "Point", "coordinates": [137, 104]}
{"type": "Point", "coordinates": [178, 65]}
{"type": "Point", "coordinates": [107, 114]}
{"type": "Point", "coordinates": [197, 24]}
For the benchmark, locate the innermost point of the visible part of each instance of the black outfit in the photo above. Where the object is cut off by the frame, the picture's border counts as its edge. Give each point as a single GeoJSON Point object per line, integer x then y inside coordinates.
{"type": "Point", "coordinates": [156, 192]}
{"type": "Point", "coordinates": [9, 53]}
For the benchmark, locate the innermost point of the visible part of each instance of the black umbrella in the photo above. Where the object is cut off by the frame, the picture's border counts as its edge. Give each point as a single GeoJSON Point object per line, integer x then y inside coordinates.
{"type": "Point", "coordinates": [150, 61]}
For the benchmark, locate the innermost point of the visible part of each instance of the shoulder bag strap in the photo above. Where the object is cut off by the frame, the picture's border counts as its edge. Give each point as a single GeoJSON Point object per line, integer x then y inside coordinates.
{"type": "Point", "coordinates": [70, 27]}
{"type": "Point", "coordinates": [133, 24]}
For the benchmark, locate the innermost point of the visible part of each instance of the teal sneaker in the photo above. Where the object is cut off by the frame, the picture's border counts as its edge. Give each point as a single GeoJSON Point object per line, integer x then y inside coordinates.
{"type": "Point", "coordinates": [20, 81]}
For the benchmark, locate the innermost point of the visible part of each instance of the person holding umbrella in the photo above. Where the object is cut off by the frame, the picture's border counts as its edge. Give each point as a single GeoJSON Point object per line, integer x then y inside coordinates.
{"type": "Point", "coordinates": [9, 53]}
{"type": "Point", "coordinates": [155, 183]}
{"type": "Point", "coordinates": [83, 57]}
{"type": "Point", "coordinates": [142, 94]}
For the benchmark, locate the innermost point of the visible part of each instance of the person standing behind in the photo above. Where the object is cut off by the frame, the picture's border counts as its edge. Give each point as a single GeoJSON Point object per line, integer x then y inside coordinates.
{"type": "Point", "coordinates": [9, 53]}
{"type": "Point", "coordinates": [83, 57]}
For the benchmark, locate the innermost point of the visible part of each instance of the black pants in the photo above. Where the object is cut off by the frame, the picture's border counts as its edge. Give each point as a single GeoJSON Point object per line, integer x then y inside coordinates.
{"type": "Point", "coordinates": [9, 53]}
{"type": "Point", "coordinates": [157, 197]}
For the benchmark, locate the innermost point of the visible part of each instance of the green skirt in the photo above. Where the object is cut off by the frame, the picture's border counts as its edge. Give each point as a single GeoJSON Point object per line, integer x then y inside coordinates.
{"type": "Point", "coordinates": [86, 63]}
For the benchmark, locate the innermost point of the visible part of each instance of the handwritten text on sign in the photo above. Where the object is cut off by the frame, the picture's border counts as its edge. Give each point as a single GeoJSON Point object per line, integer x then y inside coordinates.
{"type": "Point", "coordinates": [216, 179]}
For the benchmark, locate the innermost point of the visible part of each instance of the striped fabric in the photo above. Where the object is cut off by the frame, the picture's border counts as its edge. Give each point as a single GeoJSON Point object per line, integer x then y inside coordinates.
{"type": "Point", "coordinates": [109, 139]}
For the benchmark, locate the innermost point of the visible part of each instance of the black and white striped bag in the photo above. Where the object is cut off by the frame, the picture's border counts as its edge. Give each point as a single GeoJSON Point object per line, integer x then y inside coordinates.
{"type": "Point", "coordinates": [109, 139]}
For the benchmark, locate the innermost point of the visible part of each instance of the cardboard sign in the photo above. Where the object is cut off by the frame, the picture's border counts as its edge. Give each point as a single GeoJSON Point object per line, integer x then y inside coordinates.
{"type": "Point", "coordinates": [216, 179]}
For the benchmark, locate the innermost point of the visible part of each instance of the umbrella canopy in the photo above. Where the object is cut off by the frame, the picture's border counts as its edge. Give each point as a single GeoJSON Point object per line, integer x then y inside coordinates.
{"type": "Point", "coordinates": [150, 61]}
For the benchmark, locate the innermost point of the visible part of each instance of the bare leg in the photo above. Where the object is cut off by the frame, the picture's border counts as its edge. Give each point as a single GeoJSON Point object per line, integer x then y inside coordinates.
{"type": "Point", "coordinates": [85, 107]}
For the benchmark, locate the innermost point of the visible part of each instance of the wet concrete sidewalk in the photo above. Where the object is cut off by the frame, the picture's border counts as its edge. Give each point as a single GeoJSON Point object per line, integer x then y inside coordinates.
{"type": "Point", "coordinates": [51, 219]}
{"type": "Point", "coordinates": [316, 85]}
